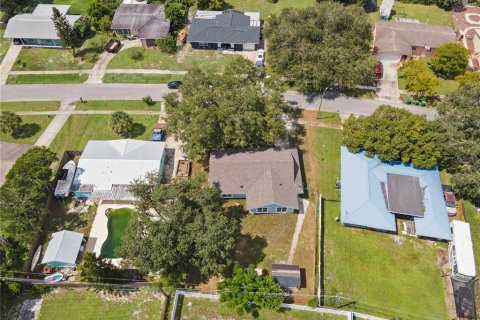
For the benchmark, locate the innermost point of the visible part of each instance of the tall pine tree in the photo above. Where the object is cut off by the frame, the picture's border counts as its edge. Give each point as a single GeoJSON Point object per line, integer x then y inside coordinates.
{"type": "Point", "coordinates": [65, 31]}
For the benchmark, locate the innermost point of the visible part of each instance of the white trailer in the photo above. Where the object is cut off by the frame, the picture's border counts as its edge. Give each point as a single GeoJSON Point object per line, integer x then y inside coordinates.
{"type": "Point", "coordinates": [460, 251]}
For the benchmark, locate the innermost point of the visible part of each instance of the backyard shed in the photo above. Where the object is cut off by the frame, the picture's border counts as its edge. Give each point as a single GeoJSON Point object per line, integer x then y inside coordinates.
{"type": "Point", "coordinates": [287, 275]}
{"type": "Point", "coordinates": [63, 249]}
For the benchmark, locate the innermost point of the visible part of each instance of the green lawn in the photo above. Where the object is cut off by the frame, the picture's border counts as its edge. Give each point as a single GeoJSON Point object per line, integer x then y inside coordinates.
{"type": "Point", "coordinates": [32, 128]}
{"type": "Point", "coordinates": [154, 59]}
{"type": "Point", "coordinates": [118, 220]}
{"type": "Point", "coordinates": [473, 218]}
{"type": "Point", "coordinates": [77, 6]}
{"type": "Point", "coordinates": [380, 274]}
{"type": "Point", "coordinates": [196, 309]}
{"type": "Point", "coordinates": [266, 239]}
{"type": "Point", "coordinates": [426, 14]}
{"type": "Point", "coordinates": [4, 45]}
{"type": "Point", "coordinates": [29, 106]}
{"type": "Point", "coordinates": [46, 78]}
{"type": "Point", "coordinates": [117, 105]}
{"type": "Point", "coordinates": [49, 59]}
{"type": "Point", "coordinates": [82, 304]}
{"type": "Point", "coordinates": [140, 78]}
{"type": "Point", "coordinates": [266, 7]}
{"type": "Point", "coordinates": [79, 129]}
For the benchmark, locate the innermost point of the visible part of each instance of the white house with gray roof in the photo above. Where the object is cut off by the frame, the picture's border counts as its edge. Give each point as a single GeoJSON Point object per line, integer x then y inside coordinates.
{"type": "Point", "coordinates": [229, 29]}
{"type": "Point", "coordinates": [269, 179]}
{"type": "Point", "coordinates": [107, 168]}
{"type": "Point", "coordinates": [36, 29]}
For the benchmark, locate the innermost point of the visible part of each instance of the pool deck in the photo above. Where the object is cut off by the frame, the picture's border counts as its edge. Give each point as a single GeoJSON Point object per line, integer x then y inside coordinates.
{"type": "Point", "coordinates": [99, 232]}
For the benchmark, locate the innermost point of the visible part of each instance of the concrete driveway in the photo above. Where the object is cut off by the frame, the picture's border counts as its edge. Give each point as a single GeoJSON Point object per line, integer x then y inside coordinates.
{"type": "Point", "coordinates": [389, 83]}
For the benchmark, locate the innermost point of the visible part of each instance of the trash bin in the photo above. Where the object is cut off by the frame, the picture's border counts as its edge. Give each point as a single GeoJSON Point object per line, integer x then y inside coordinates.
{"type": "Point", "coordinates": [416, 102]}
{"type": "Point", "coordinates": [409, 101]}
{"type": "Point", "coordinates": [423, 103]}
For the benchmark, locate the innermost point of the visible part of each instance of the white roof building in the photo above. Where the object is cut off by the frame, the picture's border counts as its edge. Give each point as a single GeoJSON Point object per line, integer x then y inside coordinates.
{"type": "Point", "coordinates": [63, 249]}
{"type": "Point", "coordinates": [461, 252]}
{"type": "Point", "coordinates": [107, 168]}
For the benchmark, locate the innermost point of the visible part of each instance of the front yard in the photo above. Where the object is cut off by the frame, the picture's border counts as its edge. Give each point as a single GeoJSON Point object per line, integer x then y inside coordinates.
{"type": "Point", "coordinates": [140, 78]}
{"type": "Point", "coordinates": [370, 271]}
{"type": "Point", "coordinates": [4, 45]}
{"type": "Point", "coordinates": [79, 129]}
{"type": "Point", "coordinates": [197, 308]}
{"type": "Point", "coordinates": [444, 87]}
{"type": "Point", "coordinates": [79, 304]}
{"type": "Point", "coordinates": [32, 127]}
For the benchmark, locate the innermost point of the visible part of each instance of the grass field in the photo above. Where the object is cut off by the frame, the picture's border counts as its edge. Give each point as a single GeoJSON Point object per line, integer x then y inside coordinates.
{"type": "Point", "coordinates": [196, 309]}
{"type": "Point", "coordinates": [474, 219]}
{"type": "Point", "coordinates": [30, 106]}
{"type": "Point", "coordinates": [154, 59]}
{"type": "Point", "coordinates": [81, 304]}
{"type": "Point", "coordinates": [118, 220]}
{"type": "Point", "coordinates": [361, 265]}
{"type": "Point", "coordinates": [4, 45]}
{"type": "Point", "coordinates": [32, 127]}
{"type": "Point", "coordinates": [266, 7]}
{"type": "Point", "coordinates": [46, 78]}
{"type": "Point", "coordinates": [426, 14]}
{"type": "Point", "coordinates": [79, 129]}
{"type": "Point", "coordinates": [77, 6]}
{"type": "Point", "coordinates": [117, 105]}
{"type": "Point", "coordinates": [140, 78]}
{"type": "Point", "coordinates": [49, 59]}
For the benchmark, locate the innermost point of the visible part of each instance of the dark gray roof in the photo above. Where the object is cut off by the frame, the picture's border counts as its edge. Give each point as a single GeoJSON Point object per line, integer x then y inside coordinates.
{"type": "Point", "coordinates": [148, 19]}
{"type": "Point", "coordinates": [265, 176]}
{"type": "Point", "coordinates": [404, 195]}
{"type": "Point", "coordinates": [399, 37]}
{"type": "Point", "coordinates": [287, 275]}
{"type": "Point", "coordinates": [231, 26]}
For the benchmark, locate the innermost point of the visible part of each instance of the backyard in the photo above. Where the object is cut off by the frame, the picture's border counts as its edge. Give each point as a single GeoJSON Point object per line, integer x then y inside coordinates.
{"type": "Point", "coordinates": [266, 7]}
{"type": "Point", "coordinates": [79, 129]}
{"type": "Point", "coordinates": [77, 6]}
{"type": "Point", "coordinates": [197, 308]}
{"type": "Point", "coordinates": [32, 127]}
{"type": "Point", "coordinates": [118, 220]}
{"type": "Point", "coordinates": [426, 14]}
{"type": "Point", "coordinates": [76, 304]}
{"type": "Point", "coordinates": [359, 265]}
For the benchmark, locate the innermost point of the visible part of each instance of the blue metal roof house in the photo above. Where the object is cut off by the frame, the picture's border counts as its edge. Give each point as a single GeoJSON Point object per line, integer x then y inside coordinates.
{"type": "Point", "coordinates": [374, 193]}
{"type": "Point", "coordinates": [63, 249]}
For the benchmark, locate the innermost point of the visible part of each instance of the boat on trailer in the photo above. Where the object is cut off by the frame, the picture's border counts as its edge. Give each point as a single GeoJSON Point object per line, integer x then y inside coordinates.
{"type": "Point", "coordinates": [65, 179]}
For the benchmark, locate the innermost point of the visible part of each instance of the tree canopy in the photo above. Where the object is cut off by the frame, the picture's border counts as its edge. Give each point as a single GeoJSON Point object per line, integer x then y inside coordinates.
{"type": "Point", "coordinates": [95, 269]}
{"type": "Point", "coordinates": [9, 122]}
{"type": "Point", "coordinates": [226, 110]}
{"type": "Point", "coordinates": [13, 7]}
{"type": "Point", "coordinates": [450, 60]}
{"type": "Point", "coordinates": [121, 123]}
{"type": "Point", "coordinates": [468, 77]}
{"type": "Point", "coordinates": [69, 36]}
{"type": "Point", "coordinates": [460, 122]}
{"type": "Point", "coordinates": [321, 46]}
{"type": "Point", "coordinates": [101, 13]}
{"type": "Point", "coordinates": [418, 78]}
{"type": "Point", "coordinates": [394, 134]}
{"type": "Point", "coordinates": [246, 291]}
{"type": "Point", "coordinates": [190, 228]}
{"type": "Point", "coordinates": [211, 4]}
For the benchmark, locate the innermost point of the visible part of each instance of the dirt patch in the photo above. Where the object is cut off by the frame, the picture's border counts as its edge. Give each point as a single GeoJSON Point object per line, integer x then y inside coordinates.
{"type": "Point", "coordinates": [398, 239]}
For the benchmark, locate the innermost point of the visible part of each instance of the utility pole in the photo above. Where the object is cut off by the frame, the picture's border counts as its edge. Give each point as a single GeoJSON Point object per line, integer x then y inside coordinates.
{"type": "Point", "coordinates": [321, 101]}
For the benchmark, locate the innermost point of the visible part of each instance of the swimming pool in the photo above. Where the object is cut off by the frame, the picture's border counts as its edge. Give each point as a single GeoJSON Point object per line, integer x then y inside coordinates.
{"type": "Point", "coordinates": [118, 220]}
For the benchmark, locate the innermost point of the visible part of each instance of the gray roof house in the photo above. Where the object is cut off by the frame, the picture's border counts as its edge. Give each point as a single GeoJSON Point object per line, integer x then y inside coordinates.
{"type": "Point", "coordinates": [145, 21]}
{"type": "Point", "coordinates": [230, 29]}
{"type": "Point", "coordinates": [63, 249]}
{"type": "Point", "coordinates": [270, 179]}
{"type": "Point", "coordinates": [394, 39]}
{"type": "Point", "coordinates": [36, 29]}
{"type": "Point", "coordinates": [287, 275]}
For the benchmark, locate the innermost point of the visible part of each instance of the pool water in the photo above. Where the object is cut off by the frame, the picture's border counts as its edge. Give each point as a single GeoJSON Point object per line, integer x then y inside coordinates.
{"type": "Point", "coordinates": [118, 220]}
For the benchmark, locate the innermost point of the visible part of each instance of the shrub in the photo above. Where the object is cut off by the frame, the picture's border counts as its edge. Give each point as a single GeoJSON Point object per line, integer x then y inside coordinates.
{"type": "Point", "coordinates": [167, 44]}
{"type": "Point", "coordinates": [121, 123]}
{"type": "Point", "coordinates": [136, 54]}
{"type": "Point", "coordinates": [313, 303]}
{"type": "Point", "coordinates": [451, 60]}
{"type": "Point", "coordinates": [148, 100]}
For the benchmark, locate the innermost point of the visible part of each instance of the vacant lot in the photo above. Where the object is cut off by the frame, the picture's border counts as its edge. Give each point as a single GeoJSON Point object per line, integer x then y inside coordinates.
{"type": "Point", "coordinates": [196, 309]}
{"type": "Point", "coordinates": [117, 105]}
{"type": "Point", "coordinates": [86, 304]}
{"type": "Point", "coordinates": [32, 127]}
{"type": "Point", "coordinates": [79, 129]}
{"type": "Point", "coordinates": [266, 7]}
{"type": "Point", "coordinates": [46, 78]}
{"type": "Point", "coordinates": [49, 59]}
{"type": "Point", "coordinates": [30, 106]}
{"type": "Point", "coordinates": [140, 78]}
{"type": "Point", "coordinates": [360, 266]}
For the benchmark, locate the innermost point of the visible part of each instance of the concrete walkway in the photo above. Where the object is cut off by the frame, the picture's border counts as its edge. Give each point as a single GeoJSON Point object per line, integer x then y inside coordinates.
{"type": "Point", "coordinates": [57, 123]}
{"type": "Point", "coordinates": [8, 62]}
{"type": "Point", "coordinates": [96, 73]}
{"type": "Point", "coordinates": [98, 70]}
{"type": "Point", "coordinates": [304, 203]}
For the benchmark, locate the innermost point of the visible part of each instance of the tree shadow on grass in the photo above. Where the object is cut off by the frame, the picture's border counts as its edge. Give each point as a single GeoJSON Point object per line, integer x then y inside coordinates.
{"type": "Point", "coordinates": [250, 250]}
{"type": "Point", "coordinates": [138, 129]}
{"type": "Point", "coordinates": [27, 130]}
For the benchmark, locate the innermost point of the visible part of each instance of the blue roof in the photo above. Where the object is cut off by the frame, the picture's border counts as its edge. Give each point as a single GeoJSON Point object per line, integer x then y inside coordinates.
{"type": "Point", "coordinates": [363, 202]}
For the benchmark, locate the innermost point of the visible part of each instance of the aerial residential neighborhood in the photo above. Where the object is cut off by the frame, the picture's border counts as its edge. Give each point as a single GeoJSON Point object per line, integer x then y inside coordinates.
{"type": "Point", "coordinates": [239, 159]}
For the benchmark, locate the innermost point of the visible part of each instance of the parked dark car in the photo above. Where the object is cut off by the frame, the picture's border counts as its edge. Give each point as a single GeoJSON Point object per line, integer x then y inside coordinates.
{"type": "Point", "coordinates": [113, 46]}
{"type": "Point", "coordinates": [174, 84]}
{"type": "Point", "coordinates": [379, 70]}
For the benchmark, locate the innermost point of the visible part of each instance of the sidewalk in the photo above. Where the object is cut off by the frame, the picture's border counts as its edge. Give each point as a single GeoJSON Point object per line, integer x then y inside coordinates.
{"type": "Point", "coordinates": [8, 62]}
{"type": "Point", "coordinates": [57, 123]}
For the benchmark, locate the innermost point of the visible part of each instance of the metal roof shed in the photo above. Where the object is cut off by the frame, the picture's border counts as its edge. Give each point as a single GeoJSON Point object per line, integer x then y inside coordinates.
{"type": "Point", "coordinates": [287, 275]}
{"type": "Point", "coordinates": [63, 249]}
{"type": "Point", "coordinates": [461, 251]}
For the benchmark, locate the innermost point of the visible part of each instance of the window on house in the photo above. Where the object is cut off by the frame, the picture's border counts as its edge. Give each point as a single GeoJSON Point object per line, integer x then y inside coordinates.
{"type": "Point", "coordinates": [281, 209]}
{"type": "Point", "coordinates": [262, 210]}
{"type": "Point", "coordinates": [227, 195]}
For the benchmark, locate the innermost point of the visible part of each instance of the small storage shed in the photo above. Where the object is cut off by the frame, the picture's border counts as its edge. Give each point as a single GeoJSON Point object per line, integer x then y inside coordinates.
{"type": "Point", "coordinates": [287, 275]}
{"type": "Point", "coordinates": [63, 249]}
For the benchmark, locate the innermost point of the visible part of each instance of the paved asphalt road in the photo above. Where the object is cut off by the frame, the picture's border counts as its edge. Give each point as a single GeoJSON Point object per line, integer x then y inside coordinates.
{"type": "Point", "coordinates": [69, 92]}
